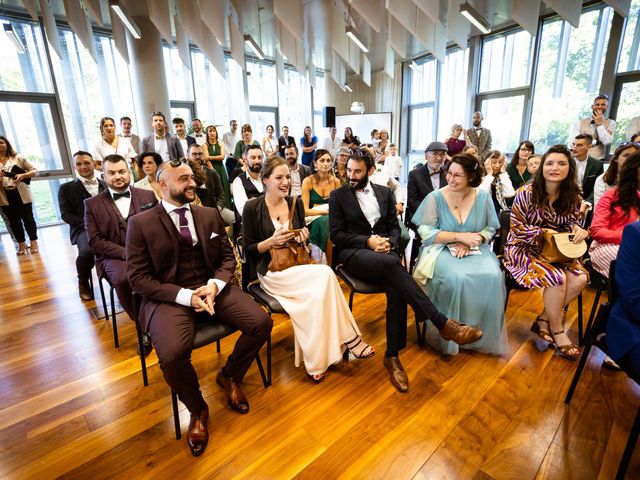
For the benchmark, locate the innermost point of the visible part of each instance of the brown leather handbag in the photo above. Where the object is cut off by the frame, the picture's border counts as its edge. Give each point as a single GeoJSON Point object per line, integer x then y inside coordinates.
{"type": "Point", "coordinates": [291, 253]}
{"type": "Point", "coordinates": [559, 247]}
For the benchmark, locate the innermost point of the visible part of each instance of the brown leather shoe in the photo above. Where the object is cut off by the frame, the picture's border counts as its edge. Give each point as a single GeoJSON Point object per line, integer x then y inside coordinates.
{"type": "Point", "coordinates": [397, 374]}
{"type": "Point", "coordinates": [198, 433]}
{"type": "Point", "coordinates": [86, 294]}
{"type": "Point", "coordinates": [461, 334]}
{"type": "Point", "coordinates": [235, 396]}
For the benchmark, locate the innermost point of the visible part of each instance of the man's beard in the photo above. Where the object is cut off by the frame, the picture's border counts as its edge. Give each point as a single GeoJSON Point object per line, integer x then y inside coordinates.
{"type": "Point", "coordinates": [292, 161]}
{"type": "Point", "coordinates": [361, 183]}
{"type": "Point", "coordinates": [181, 197]}
{"type": "Point", "coordinates": [255, 168]}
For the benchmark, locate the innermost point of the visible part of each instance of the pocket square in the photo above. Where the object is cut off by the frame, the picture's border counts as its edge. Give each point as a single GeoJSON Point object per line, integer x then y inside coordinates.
{"type": "Point", "coordinates": [213, 235]}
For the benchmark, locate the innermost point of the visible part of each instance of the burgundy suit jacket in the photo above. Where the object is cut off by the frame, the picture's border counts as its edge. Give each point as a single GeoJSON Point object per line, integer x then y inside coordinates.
{"type": "Point", "coordinates": [152, 254]}
{"type": "Point", "coordinates": [103, 222]}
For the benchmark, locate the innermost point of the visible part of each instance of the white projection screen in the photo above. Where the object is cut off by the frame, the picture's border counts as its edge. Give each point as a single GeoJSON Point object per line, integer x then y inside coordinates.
{"type": "Point", "coordinates": [362, 124]}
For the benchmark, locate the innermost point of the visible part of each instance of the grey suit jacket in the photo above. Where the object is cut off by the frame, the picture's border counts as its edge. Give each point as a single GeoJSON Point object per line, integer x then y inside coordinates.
{"type": "Point", "coordinates": [482, 141]}
{"type": "Point", "coordinates": [173, 145]}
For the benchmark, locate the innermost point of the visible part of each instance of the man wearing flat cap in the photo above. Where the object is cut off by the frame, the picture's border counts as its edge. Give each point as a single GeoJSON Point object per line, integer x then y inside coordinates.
{"type": "Point", "coordinates": [427, 178]}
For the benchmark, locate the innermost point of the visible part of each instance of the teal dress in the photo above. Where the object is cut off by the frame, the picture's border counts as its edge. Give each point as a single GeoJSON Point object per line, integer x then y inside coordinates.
{"type": "Point", "coordinates": [319, 228]}
{"type": "Point", "coordinates": [469, 289]}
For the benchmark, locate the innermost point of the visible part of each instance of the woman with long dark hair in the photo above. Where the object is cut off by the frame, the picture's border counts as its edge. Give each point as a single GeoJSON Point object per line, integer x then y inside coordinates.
{"type": "Point", "coordinates": [609, 179]}
{"type": "Point", "coordinates": [517, 169]}
{"type": "Point", "coordinates": [15, 196]}
{"type": "Point", "coordinates": [309, 144]}
{"type": "Point", "coordinates": [552, 201]}
{"type": "Point", "coordinates": [350, 141]}
{"type": "Point", "coordinates": [618, 207]}
{"type": "Point", "coordinates": [214, 151]}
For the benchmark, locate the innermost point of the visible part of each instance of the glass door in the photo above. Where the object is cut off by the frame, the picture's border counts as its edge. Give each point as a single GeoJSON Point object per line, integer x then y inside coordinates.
{"type": "Point", "coordinates": [260, 117]}
{"type": "Point", "coordinates": [625, 105]}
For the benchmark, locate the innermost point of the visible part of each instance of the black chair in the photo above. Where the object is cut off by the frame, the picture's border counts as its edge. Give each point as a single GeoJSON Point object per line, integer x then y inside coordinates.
{"type": "Point", "coordinates": [205, 334]}
{"type": "Point", "coordinates": [510, 283]}
{"type": "Point", "coordinates": [102, 276]}
{"type": "Point", "coordinates": [596, 337]}
{"type": "Point", "coordinates": [600, 283]}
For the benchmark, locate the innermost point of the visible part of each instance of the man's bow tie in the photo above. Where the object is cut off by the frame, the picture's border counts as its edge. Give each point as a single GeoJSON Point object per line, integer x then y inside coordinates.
{"type": "Point", "coordinates": [198, 134]}
{"type": "Point", "coordinates": [90, 182]}
{"type": "Point", "coordinates": [126, 194]}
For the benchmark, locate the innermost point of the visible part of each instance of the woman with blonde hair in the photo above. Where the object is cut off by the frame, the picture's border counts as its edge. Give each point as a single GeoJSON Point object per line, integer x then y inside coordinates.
{"type": "Point", "coordinates": [454, 143]}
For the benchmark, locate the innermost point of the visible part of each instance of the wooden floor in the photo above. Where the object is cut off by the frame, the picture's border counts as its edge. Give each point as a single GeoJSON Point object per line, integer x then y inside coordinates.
{"type": "Point", "coordinates": [73, 406]}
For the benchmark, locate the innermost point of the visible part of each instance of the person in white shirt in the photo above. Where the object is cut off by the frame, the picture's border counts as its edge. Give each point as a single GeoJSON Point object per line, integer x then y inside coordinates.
{"type": "Point", "coordinates": [393, 162]}
{"type": "Point", "coordinates": [125, 125]}
{"type": "Point", "coordinates": [269, 142]}
{"type": "Point", "coordinates": [181, 133]}
{"type": "Point", "coordinates": [298, 171]}
{"type": "Point", "coordinates": [598, 126]}
{"type": "Point", "coordinates": [111, 144]}
{"type": "Point", "coordinates": [332, 143]}
{"type": "Point", "coordinates": [198, 134]}
{"type": "Point", "coordinates": [496, 181]}
{"type": "Point", "coordinates": [248, 184]}
{"type": "Point", "coordinates": [231, 137]}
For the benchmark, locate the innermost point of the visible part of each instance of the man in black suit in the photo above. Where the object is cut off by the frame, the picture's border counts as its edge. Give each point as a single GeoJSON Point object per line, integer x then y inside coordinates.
{"type": "Point", "coordinates": [588, 168]}
{"type": "Point", "coordinates": [211, 193]}
{"type": "Point", "coordinates": [364, 227]}
{"type": "Point", "coordinates": [285, 140]}
{"type": "Point", "coordinates": [71, 198]}
{"type": "Point", "coordinates": [427, 178]}
{"type": "Point", "coordinates": [167, 146]}
{"type": "Point", "coordinates": [181, 132]}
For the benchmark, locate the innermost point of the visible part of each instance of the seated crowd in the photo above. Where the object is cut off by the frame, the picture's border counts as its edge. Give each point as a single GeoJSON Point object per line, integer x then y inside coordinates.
{"type": "Point", "coordinates": [170, 217]}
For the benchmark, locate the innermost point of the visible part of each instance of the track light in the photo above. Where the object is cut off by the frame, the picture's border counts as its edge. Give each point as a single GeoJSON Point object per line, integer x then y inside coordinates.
{"type": "Point", "coordinates": [474, 17]}
{"type": "Point", "coordinates": [414, 66]}
{"type": "Point", "coordinates": [347, 87]}
{"type": "Point", "coordinates": [251, 43]}
{"type": "Point", "coordinates": [352, 34]}
{"type": "Point", "coordinates": [128, 22]}
{"type": "Point", "coordinates": [11, 34]}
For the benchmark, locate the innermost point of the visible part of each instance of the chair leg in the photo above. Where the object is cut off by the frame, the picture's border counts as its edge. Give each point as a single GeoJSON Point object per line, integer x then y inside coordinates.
{"type": "Point", "coordinates": [265, 381]}
{"type": "Point", "coordinates": [351, 293]}
{"type": "Point", "coordinates": [580, 330]}
{"type": "Point", "coordinates": [143, 360]}
{"type": "Point", "coordinates": [576, 376]}
{"type": "Point", "coordinates": [176, 415]}
{"type": "Point", "coordinates": [269, 360]}
{"type": "Point", "coordinates": [594, 310]}
{"type": "Point", "coordinates": [628, 449]}
{"type": "Point", "coordinates": [104, 299]}
{"type": "Point", "coordinates": [113, 317]}
{"type": "Point", "coordinates": [421, 331]}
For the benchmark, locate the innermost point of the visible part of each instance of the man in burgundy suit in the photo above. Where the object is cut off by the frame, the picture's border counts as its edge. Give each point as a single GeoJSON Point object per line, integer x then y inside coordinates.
{"type": "Point", "coordinates": [105, 220]}
{"type": "Point", "coordinates": [180, 261]}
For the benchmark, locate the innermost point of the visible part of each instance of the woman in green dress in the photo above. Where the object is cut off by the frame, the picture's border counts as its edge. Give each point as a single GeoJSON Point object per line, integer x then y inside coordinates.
{"type": "Point", "coordinates": [316, 189]}
{"type": "Point", "coordinates": [214, 156]}
{"type": "Point", "coordinates": [517, 169]}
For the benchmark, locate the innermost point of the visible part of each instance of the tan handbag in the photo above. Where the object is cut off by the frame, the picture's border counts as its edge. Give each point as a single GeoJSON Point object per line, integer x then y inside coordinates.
{"type": "Point", "coordinates": [559, 247]}
{"type": "Point", "coordinates": [291, 253]}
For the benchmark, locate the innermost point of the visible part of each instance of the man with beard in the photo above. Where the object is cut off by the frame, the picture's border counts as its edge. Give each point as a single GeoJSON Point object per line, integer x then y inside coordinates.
{"type": "Point", "coordinates": [198, 134]}
{"type": "Point", "coordinates": [180, 261]}
{"type": "Point", "coordinates": [601, 128]}
{"type": "Point", "coordinates": [364, 227]}
{"type": "Point", "coordinates": [166, 145]}
{"type": "Point", "coordinates": [105, 221]}
{"type": "Point", "coordinates": [479, 136]}
{"type": "Point", "coordinates": [298, 171]}
{"type": "Point", "coordinates": [248, 184]}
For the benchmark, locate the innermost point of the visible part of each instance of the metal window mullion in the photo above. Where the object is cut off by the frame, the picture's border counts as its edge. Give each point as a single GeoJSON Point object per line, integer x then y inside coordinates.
{"type": "Point", "coordinates": [598, 48]}
{"type": "Point", "coordinates": [561, 63]}
{"type": "Point", "coordinates": [507, 61]}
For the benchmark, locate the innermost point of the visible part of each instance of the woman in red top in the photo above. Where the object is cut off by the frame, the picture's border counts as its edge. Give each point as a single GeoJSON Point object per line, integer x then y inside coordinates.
{"type": "Point", "coordinates": [617, 208]}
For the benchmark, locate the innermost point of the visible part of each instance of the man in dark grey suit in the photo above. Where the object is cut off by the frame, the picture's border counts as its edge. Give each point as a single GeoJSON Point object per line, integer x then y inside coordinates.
{"type": "Point", "coordinates": [364, 227]}
{"type": "Point", "coordinates": [298, 171]}
{"type": "Point", "coordinates": [166, 145]}
{"type": "Point", "coordinates": [71, 197]}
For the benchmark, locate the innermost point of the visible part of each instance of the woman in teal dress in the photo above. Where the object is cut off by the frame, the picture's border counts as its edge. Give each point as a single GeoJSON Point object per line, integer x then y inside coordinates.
{"type": "Point", "coordinates": [457, 268]}
{"type": "Point", "coordinates": [214, 156]}
{"type": "Point", "coordinates": [316, 189]}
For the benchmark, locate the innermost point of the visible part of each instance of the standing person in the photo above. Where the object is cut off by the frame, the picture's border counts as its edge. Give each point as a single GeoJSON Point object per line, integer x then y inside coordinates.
{"type": "Point", "coordinates": [517, 168]}
{"type": "Point", "coordinates": [148, 163]}
{"type": "Point", "coordinates": [393, 162]}
{"type": "Point", "coordinates": [112, 144]}
{"type": "Point", "coordinates": [210, 193]}
{"type": "Point", "coordinates": [269, 142]}
{"type": "Point", "coordinates": [231, 137]}
{"type": "Point", "coordinates": [375, 137]}
{"type": "Point", "coordinates": [71, 197]}
{"type": "Point", "coordinates": [551, 201]}
{"type": "Point", "coordinates": [333, 142]}
{"type": "Point", "coordinates": [180, 261]}
{"type": "Point", "coordinates": [456, 225]}
{"type": "Point", "coordinates": [181, 132]}
{"type": "Point", "coordinates": [214, 155]}
{"type": "Point", "coordinates": [479, 136]}
{"type": "Point", "coordinates": [365, 230]}
{"type": "Point", "coordinates": [125, 126]}
{"type": "Point", "coordinates": [310, 294]}
{"type": "Point", "coordinates": [285, 140]}
{"type": "Point", "coordinates": [309, 144]}
{"type": "Point", "coordinates": [349, 140]}
{"type": "Point", "coordinates": [610, 178]}
{"type": "Point", "coordinates": [15, 196]}
{"type": "Point", "coordinates": [198, 134]}
{"type": "Point", "coordinates": [247, 139]}
{"type": "Point", "coordinates": [454, 143]}
{"type": "Point", "coordinates": [598, 126]}
{"type": "Point", "coordinates": [496, 182]}
{"type": "Point", "coordinates": [298, 171]}
{"type": "Point", "coordinates": [160, 141]}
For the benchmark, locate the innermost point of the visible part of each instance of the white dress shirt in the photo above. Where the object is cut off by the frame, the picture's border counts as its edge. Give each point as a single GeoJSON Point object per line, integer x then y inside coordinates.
{"type": "Point", "coordinates": [332, 145]}
{"type": "Point", "coordinates": [183, 143]}
{"type": "Point", "coordinates": [91, 185]}
{"type": "Point", "coordinates": [185, 294]}
{"type": "Point", "coordinates": [161, 147]}
{"type": "Point", "coordinates": [239, 193]}
{"type": "Point", "coordinates": [123, 203]}
{"type": "Point", "coordinates": [296, 183]}
{"type": "Point", "coordinates": [230, 139]}
{"type": "Point", "coordinates": [201, 139]}
{"type": "Point", "coordinates": [368, 204]}
{"type": "Point", "coordinates": [381, 177]}
{"type": "Point", "coordinates": [581, 166]}
{"type": "Point", "coordinates": [435, 177]}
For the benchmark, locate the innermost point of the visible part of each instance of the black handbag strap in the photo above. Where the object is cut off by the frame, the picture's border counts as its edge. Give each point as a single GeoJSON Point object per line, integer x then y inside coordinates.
{"type": "Point", "coordinates": [292, 212]}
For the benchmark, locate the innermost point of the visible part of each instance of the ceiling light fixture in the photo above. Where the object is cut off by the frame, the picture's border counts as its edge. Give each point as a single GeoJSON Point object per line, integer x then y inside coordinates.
{"type": "Point", "coordinates": [346, 85]}
{"type": "Point", "coordinates": [11, 34]}
{"type": "Point", "coordinates": [414, 66]}
{"type": "Point", "coordinates": [251, 43]}
{"type": "Point", "coordinates": [357, 107]}
{"type": "Point", "coordinates": [474, 17]}
{"type": "Point", "coordinates": [353, 35]}
{"type": "Point", "coordinates": [128, 22]}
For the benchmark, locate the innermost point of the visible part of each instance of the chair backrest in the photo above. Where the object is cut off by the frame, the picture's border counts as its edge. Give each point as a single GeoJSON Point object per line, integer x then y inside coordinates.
{"type": "Point", "coordinates": [501, 238]}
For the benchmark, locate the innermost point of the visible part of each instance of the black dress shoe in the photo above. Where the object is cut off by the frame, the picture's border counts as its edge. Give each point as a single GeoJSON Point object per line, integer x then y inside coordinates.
{"type": "Point", "coordinates": [236, 398]}
{"type": "Point", "coordinates": [146, 345]}
{"type": "Point", "coordinates": [84, 289]}
{"type": "Point", "coordinates": [198, 433]}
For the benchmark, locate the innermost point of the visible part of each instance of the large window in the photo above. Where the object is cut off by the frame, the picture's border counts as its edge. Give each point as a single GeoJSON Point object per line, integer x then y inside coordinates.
{"type": "Point", "coordinates": [630, 54]}
{"type": "Point", "coordinates": [210, 91]}
{"type": "Point", "coordinates": [179, 83]}
{"type": "Point", "coordinates": [295, 98]}
{"type": "Point", "coordinates": [568, 75]}
{"type": "Point", "coordinates": [319, 101]}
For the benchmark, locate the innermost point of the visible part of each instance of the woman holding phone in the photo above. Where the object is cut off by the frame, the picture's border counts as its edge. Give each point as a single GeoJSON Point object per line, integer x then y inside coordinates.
{"type": "Point", "coordinates": [322, 322]}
